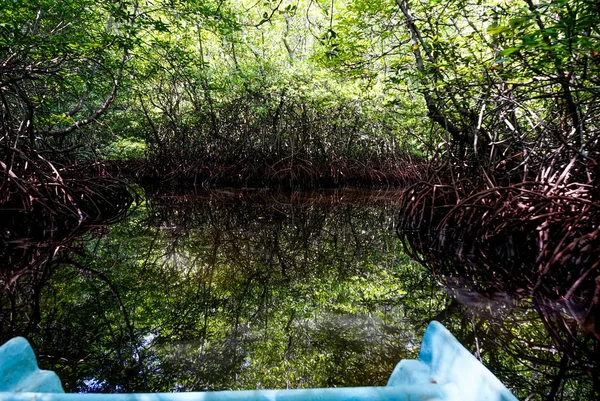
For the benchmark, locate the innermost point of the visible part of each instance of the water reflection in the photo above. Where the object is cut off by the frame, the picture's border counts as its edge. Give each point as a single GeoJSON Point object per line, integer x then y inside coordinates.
{"type": "Point", "coordinates": [252, 289]}
{"type": "Point", "coordinates": [532, 345]}
{"type": "Point", "coordinates": [237, 290]}
{"type": "Point", "coordinates": [32, 243]}
{"type": "Point", "coordinates": [540, 335]}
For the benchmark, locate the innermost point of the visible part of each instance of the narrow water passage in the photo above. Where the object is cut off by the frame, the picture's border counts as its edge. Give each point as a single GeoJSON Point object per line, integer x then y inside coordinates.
{"type": "Point", "coordinates": [256, 289]}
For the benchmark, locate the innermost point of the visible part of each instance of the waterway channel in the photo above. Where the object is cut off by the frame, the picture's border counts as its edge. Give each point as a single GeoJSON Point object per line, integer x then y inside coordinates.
{"type": "Point", "coordinates": [253, 289]}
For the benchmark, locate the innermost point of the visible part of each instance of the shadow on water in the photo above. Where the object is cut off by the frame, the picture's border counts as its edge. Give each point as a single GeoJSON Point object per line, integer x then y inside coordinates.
{"type": "Point", "coordinates": [256, 289]}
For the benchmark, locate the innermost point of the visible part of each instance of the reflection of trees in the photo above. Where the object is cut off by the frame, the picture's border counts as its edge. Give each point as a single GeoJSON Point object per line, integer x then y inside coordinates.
{"type": "Point", "coordinates": [532, 346]}
{"type": "Point", "coordinates": [245, 290]}
{"type": "Point", "coordinates": [238, 291]}
{"type": "Point", "coordinates": [542, 344]}
{"type": "Point", "coordinates": [32, 242]}
{"type": "Point", "coordinates": [506, 239]}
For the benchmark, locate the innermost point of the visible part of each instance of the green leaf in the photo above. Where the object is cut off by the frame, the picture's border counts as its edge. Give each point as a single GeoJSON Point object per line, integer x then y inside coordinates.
{"type": "Point", "coordinates": [509, 50]}
{"type": "Point", "coordinates": [495, 30]}
{"type": "Point", "coordinates": [520, 21]}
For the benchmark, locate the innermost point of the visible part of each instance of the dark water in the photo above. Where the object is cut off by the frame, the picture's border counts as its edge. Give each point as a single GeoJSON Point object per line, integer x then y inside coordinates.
{"type": "Point", "coordinates": [254, 289]}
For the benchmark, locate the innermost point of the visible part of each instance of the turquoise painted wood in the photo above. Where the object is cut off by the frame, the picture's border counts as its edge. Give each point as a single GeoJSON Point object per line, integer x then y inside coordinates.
{"type": "Point", "coordinates": [444, 371]}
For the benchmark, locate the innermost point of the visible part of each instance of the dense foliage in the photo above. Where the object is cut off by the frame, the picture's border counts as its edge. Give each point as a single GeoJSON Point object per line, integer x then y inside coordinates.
{"type": "Point", "coordinates": [322, 92]}
{"type": "Point", "coordinates": [513, 201]}
{"type": "Point", "coordinates": [487, 111]}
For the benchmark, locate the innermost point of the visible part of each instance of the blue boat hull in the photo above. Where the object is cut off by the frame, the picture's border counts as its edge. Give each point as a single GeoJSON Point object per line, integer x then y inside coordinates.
{"type": "Point", "coordinates": [444, 371]}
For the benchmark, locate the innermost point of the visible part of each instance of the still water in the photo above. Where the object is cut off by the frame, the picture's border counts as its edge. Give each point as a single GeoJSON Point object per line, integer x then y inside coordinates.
{"type": "Point", "coordinates": [255, 289]}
